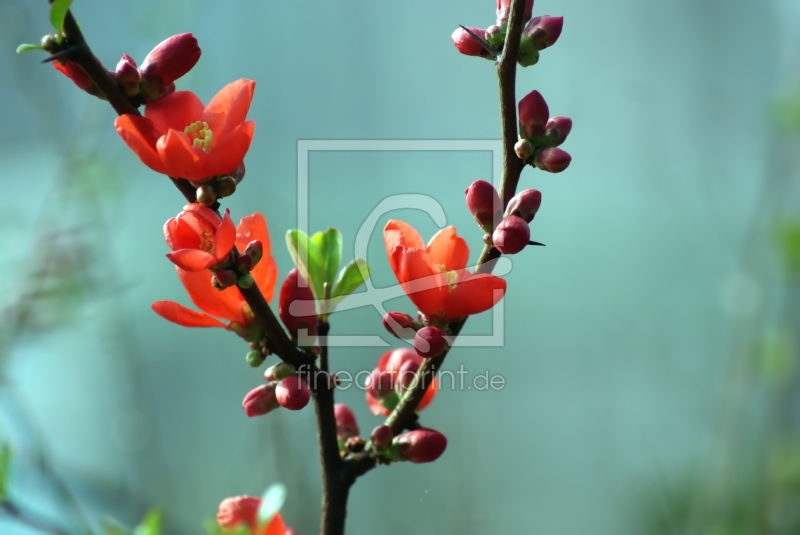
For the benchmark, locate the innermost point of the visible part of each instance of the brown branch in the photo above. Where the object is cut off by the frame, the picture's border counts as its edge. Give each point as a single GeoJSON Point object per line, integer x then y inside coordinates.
{"type": "Point", "coordinates": [404, 412]}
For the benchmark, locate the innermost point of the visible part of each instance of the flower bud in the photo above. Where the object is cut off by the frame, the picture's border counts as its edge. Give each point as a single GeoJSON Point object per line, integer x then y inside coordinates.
{"type": "Point", "coordinates": [557, 130]}
{"type": "Point", "coordinates": [127, 76]}
{"type": "Point", "coordinates": [467, 45]}
{"type": "Point", "coordinates": [504, 7]}
{"type": "Point", "coordinates": [244, 262]}
{"type": "Point", "coordinates": [255, 358]}
{"type": "Point", "coordinates": [261, 400]}
{"type": "Point", "coordinates": [238, 175]}
{"type": "Point", "coordinates": [511, 235]}
{"type": "Point", "coordinates": [206, 195]}
{"type": "Point", "coordinates": [524, 149]}
{"type": "Point", "coordinates": [245, 281]}
{"type": "Point", "coordinates": [279, 371]}
{"type": "Point", "coordinates": [484, 204]}
{"type": "Point", "coordinates": [255, 249]}
{"type": "Point", "coordinates": [50, 43]}
{"type": "Point", "coordinates": [354, 444]}
{"type": "Point", "coordinates": [543, 31]}
{"type": "Point", "coordinates": [294, 290]}
{"type": "Point", "coordinates": [420, 445]}
{"type": "Point", "coordinates": [224, 278]}
{"type": "Point", "coordinates": [495, 35]}
{"type": "Point", "coordinates": [169, 60]}
{"type": "Point", "coordinates": [430, 342]}
{"type": "Point", "coordinates": [346, 425]}
{"type": "Point", "coordinates": [525, 204]}
{"type": "Point", "coordinates": [239, 511]}
{"type": "Point", "coordinates": [533, 115]}
{"type": "Point", "coordinates": [225, 186]}
{"type": "Point", "coordinates": [399, 321]}
{"type": "Point", "coordinates": [380, 383]}
{"type": "Point", "coordinates": [293, 393]}
{"type": "Point", "coordinates": [381, 438]}
{"type": "Point", "coordinates": [406, 374]}
{"type": "Point", "coordinates": [552, 159]}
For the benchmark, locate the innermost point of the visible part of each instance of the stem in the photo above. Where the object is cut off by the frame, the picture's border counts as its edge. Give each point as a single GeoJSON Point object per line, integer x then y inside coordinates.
{"type": "Point", "coordinates": [30, 520]}
{"type": "Point", "coordinates": [335, 480]}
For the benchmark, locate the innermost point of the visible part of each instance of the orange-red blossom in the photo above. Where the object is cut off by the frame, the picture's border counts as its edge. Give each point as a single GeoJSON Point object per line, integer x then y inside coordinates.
{"type": "Point", "coordinates": [179, 137]}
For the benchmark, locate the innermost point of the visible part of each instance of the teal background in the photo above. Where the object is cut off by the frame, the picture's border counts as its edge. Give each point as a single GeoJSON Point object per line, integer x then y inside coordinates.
{"type": "Point", "coordinates": [649, 350]}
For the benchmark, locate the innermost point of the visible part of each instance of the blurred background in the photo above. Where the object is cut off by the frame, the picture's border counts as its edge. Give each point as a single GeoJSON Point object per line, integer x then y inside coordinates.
{"type": "Point", "coordinates": [650, 350]}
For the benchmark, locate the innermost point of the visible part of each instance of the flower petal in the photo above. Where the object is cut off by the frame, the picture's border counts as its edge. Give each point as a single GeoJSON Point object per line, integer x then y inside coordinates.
{"type": "Point", "coordinates": [401, 233]}
{"type": "Point", "coordinates": [448, 249]}
{"type": "Point", "coordinates": [222, 304]}
{"type": "Point", "coordinates": [192, 259]}
{"type": "Point", "coordinates": [474, 295]}
{"type": "Point", "coordinates": [139, 134]}
{"type": "Point", "coordinates": [266, 275]}
{"type": "Point", "coordinates": [177, 313]}
{"type": "Point", "coordinates": [375, 406]}
{"type": "Point", "coordinates": [228, 109]}
{"type": "Point", "coordinates": [275, 526]}
{"type": "Point", "coordinates": [253, 227]}
{"type": "Point", "coordinates": [430, 393]}
{"type": "Point", "coordinates": [425, 286]}
{"type": "Point", "coordinates": [179, 234]}
{"type": "Point", "coordinates": [224, 237]}
{"type": "Point", "coordinates": [226, 155]}
{"type": "Point", "coordinates": [175, 111]}
{"type": "Point", "coordinates": [181, 159]}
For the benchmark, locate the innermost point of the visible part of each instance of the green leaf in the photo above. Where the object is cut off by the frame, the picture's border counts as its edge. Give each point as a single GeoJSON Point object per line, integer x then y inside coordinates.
{"type": "Point", "coordinates": [330, 247]}
{"type": "Point", "coordinates": [789, 237]}
{"type": "Point", "coordinates": [351, 277]}
{"type": "Point", "coordinates": [150, 524]}
{"type": "Point", "coordinates": [113, 527]}
{"type": "Point", "coordinates": [308, 259]}
{"type": "Point", "coordinates": [5, 465]}
{"type": "Point", "coordinates": [58, 10]}
{"type": "Point", "coordinates": [27, 48]}
{"type": "Point", "coordinates": [271, 502]}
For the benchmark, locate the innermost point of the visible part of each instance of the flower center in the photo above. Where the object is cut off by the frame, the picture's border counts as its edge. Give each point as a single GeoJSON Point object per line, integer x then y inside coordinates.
{"type": "Point", "coordinates": [451, 277]}
{"type": "Point", "coordinates": [200, 135]}
{"type": "Point", "coordinates": [207, 242]}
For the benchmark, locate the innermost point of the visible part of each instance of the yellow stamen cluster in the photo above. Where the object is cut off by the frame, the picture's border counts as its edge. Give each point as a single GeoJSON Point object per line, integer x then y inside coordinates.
{"type": "Point", "coordinates": [207, 242]}
{"type": "Point", "coordinates": [200, 135]}
{"type": "Point", "coordinates": [452, 279]}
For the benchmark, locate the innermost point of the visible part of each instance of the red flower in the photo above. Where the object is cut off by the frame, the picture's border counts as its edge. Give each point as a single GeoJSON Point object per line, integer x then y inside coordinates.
{"type": "Point", "coordinates": [198, 238]}
{"type": "Point", "coordinates": [180, 138]}
{"type": "Point", "coordinates": [243, 511]}
{"type": "Point", "coordinates": [392, 361]}
{"type": "Point", "coordinates": [226, 304]}
{"type": "Point", "coordinates": [434, 277]}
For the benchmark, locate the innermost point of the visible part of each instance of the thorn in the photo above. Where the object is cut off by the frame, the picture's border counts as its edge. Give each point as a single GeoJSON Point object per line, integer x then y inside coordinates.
{"type": "Point", "coordinates": [535, 243]}
{"type": "Point", "coordinates": [62, 54]}
{"type": "Point", "coordinates": [483, 42]}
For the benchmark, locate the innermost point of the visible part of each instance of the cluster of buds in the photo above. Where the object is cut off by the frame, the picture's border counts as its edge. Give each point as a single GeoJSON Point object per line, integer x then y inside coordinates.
{"type": "Point", "coordinates": [283, 388]}
{"type": "Point", "coordinates": [259, 351]}
{"type": "Point", "coordinates": [509, 232]}
{"type": "Point", "coordinates": [168, 61]}
{"type": "Point", "coordinates": [401, 325]}
{"type": "Point", "coordinates": [429, 341]}
{"type": "Point", "coordinates": [417, 446]}
{"type": "Point", "coordinates": [540, 135]}
{"type": "Point", "coordinates": [215, 187]}
{"type": "Point", "coordinates": [297, 309]}
{"type": "Point", "coordinates": [539, 33]}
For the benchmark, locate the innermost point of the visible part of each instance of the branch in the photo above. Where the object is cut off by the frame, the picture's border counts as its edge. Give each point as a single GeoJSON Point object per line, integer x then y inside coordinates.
{"type": "Point", "coordinates": [82, 55]}
{"type": "Point", "coordinates": [404, 412]}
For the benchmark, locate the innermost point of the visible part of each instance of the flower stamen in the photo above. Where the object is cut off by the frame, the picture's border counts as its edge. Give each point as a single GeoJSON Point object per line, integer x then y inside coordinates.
{"type": "Point", "coordinates": [200, 135]}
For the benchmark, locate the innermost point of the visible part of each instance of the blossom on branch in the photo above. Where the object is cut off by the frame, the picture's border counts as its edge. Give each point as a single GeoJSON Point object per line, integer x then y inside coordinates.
{"type": "Point", "coordinates": [179, 137]}
{"type": "Point", "coordinates": [199, 239]}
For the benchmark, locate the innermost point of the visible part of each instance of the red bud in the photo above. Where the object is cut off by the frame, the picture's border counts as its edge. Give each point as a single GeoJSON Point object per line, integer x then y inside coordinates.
{"type": "Point", "coordinates": [239, 511]}
{"type": "Point", "coordinates": [484, 204]}
{"type": "Point", "coordinates": [294, 290]}
{"type": "Point", "coordinates": [255, 249]}
{"type": "Point", "coordinates": [381, 437]}
{"type": "Point", "coordinates": [552, 159]}
{"type": "Point", "coordinates": [525, 204]}
{"type": "Point", "coordinates": [420, 445]}
{"type": "Point", "coordinates": [399, 321]}
{"type": "Point", "coordinates": [293, 393]}
{"type": "Point", "coordinates": [467, 45]}
{"type": "Point", "coordinates": [260, 401]}
{"type": "Point", "coordinates": [504, 7]}
{"type": "Point", "coordinates": [127, 76]}
{"type": "Point", "coordinates": [406, 373]}
{"type": "Point", "coordinates": [430, 342]}
{"type": "Point", "coordinates": [279, 371]}
{"type": "Point", "coordinates": [511, 235]}
{"type": "Point", "coordinates": [380, 383]}
{"type": "Point", "coordinates": [557, 130]}
{"type": "Point", "coordinates": [169, 60]}
{"type": "Point", "coordinates": [543, 31]}
{"type": "Point", "coordinates": [533, 115]}
{"type": "Point", "coordinates": [346, 425]}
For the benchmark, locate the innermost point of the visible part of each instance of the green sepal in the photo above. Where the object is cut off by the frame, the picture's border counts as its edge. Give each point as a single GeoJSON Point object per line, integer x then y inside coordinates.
{"type": "Point", "coordinates": [58, 11]}
{"type": "Point", "coordinates": [308, 259]}
{"type": "Point", "coordinates": [390, 401]}
{"type": "Point", "coordinates": [351, 277]}
{"type": "Point", "coordinates": [24, 47]}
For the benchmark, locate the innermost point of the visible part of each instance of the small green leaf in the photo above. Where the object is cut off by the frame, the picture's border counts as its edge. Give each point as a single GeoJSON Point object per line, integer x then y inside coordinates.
{"type": "Point", "coordinates": [330, 247]}
{"type": "Point", "coordinates": [351, 277]}
{"type": "Point", "coordinates": [150, 524]}
{"type": "Point", "coordinates": [5, 465]}
{"type": "Point", "coordinates": [308, 259]}
{"type": "Point", "coordinates": [27, 48]}
{"type": "Point", "coordinates": [111, 526]}
{"type": "Point", "coordinates": [58, 10]}
{"type": "Point", "coordinates": [271, 502]}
